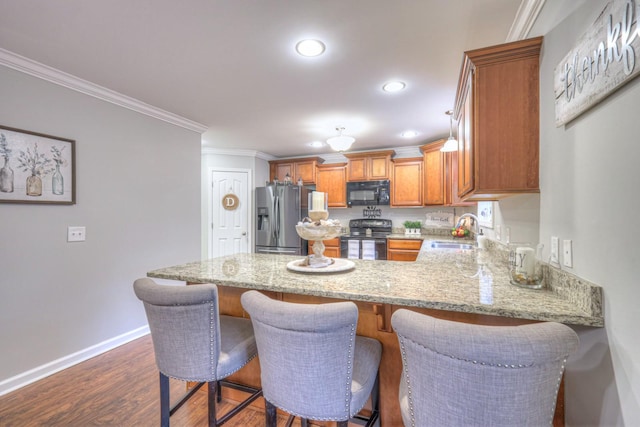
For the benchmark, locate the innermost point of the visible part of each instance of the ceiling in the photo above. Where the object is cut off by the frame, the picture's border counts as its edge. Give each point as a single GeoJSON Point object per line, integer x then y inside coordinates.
{"type": "Point", "coordinates": [231, 66]}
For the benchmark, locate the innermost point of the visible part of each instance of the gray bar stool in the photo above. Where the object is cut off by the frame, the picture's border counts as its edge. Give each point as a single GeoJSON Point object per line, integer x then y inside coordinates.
{"type": "Point", "coordinates": [459, 374]}
{"type": "Point", "coordinates": [312, 363]}
{"type": "Point", "coordinates": [192, 342]}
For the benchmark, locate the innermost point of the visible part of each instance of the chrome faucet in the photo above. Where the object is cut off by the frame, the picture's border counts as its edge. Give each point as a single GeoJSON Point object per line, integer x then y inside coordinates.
{"type": "Point", "coordinates": [462, 219]}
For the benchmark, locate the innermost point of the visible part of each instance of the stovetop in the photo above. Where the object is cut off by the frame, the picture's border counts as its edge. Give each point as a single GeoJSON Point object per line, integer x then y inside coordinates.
{"type": "Point", "coordinates": [379, 227]}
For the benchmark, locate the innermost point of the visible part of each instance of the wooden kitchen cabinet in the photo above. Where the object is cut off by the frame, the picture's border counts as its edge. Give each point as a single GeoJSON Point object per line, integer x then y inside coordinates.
{"type": "Point", "coordinates": [406, 182]}
{"type": "Point", "coordinates": [497, 109]}
{"type": "Point", "coordinates": [369, 166]}
{"type": "Point", "coordinates": [403, 249]}
{"type": "Point", "coordinates": [441, 176]}
{"type": "Point", "coordinates": [331, 247]}
{"type": "Point", "coordinates": [304, 168]}
{"type": "Point", "coordinates": [332, 179]}
{"type": "Point", "coordinates": [434, 173]}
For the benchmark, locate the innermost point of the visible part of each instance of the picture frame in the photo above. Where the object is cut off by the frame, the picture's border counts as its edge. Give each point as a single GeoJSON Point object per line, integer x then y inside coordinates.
{"type": "Point", "coordinates": [485, 214]}
{"type": "Point", "coordinates": [36, 168]}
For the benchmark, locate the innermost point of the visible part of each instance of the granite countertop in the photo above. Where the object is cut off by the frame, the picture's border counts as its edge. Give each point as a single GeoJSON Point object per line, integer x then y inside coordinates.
{"type": "Point", "coordinates": [470, 281]}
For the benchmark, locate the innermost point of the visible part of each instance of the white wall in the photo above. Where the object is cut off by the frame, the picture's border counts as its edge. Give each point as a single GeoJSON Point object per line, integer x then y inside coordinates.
{"type": "Point", "coordinates": [589, 193]}
{"type": "Point", "coordinates": [138, 194]}
{"type": "Point", "coordinates": [223, 160]}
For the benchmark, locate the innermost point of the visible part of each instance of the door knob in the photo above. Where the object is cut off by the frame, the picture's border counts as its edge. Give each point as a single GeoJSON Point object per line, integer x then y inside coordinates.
{"type": "Point", "coordinates": [244, 233]}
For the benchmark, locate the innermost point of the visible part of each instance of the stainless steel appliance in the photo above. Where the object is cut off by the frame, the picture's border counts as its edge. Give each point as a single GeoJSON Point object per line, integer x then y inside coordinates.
{"type": "Point", "coordinates": [367, 239]}
{"type": "Point", "coordinates": [278, 209]}
{"type": "Point", "coordinates": [368, 193]}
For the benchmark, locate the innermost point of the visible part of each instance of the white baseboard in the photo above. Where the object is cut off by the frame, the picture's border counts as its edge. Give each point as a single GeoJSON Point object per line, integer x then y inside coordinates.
{"type": "Point", "coordinates": [33, 375]}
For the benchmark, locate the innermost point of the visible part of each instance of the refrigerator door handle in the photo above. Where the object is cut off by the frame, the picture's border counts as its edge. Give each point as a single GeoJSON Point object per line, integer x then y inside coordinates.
{"type": "Point", "coordinates": [276, 212]}
{"type": "Point", "coordinates": [276, 251]}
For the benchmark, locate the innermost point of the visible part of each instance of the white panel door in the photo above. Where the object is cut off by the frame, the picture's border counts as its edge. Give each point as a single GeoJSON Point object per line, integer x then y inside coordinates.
{"type": "Point", "coordinates": [229, 227]}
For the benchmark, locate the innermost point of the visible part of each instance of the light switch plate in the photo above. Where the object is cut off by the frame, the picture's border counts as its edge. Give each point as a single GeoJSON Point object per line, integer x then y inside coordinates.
{"type": "Point", "coordinates": [567, 253]}
{"type": "Point", "coordinates": [76, 234]}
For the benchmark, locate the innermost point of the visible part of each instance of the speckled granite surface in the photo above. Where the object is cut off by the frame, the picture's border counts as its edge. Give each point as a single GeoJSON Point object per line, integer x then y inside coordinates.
{"type": "Point", "coordinates": [471, 281]}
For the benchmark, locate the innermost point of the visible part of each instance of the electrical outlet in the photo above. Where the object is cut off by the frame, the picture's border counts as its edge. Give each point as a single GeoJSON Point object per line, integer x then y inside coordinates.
{"type": "Point", "coordinates": [507, 237]}
{"type": "Point", "coordinates": [76, 234]}
{"type": "Point", "coordinates": [555, 249]}
{"type": "Point", "coordinates": [498, 232]}
{"type": "Point", "coordinates": [567, 255]}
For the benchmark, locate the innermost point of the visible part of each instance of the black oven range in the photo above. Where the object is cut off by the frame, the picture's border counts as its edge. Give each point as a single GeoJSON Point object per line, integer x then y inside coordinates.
{"type": "Point", "coordinates": [367, 239]}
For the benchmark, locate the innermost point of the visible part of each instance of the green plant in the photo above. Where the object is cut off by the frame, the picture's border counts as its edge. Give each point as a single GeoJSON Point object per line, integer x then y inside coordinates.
{"type": "Point", "coordinates": [412, 224]}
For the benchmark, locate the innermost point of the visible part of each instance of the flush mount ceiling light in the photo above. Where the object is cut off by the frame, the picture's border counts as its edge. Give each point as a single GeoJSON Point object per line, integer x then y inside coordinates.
{"type": "Point", "coordinates": [316, 144]}
{"type": "Point", "coordinates": [340, 142]}
{"type": "Point", "coordinates": [409, 134]}
{"type": "Point", "coordinates": [393, 86]}
{"type": "Point", "coordinates": [451, 144]}
{"type": "Point", "coordinates": [310, 47]}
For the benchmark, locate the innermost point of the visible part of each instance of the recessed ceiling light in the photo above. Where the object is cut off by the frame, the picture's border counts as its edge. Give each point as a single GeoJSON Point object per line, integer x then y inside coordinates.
{"type": "Point", "coordinates": [409, 134]}
{"type": "Point", "coordinates": [310, 47]}
{"type": "Point", "coordinates": [393, 86]}
{"type": "Point", "coordinates": [316, 144]}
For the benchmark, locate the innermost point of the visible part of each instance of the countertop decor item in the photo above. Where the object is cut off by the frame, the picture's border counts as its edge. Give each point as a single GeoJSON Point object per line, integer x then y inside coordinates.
{"type": "Point", "coordinates": [525, 267]}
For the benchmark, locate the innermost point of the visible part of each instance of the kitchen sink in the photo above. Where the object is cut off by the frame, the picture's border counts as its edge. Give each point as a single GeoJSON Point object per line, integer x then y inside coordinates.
{"type": "Point", "coordinates": [450, 245]}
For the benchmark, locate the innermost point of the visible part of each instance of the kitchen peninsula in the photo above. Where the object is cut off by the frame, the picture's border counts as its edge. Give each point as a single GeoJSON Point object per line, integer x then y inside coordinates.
{"type": "Point", "coordinates": [464, 285]}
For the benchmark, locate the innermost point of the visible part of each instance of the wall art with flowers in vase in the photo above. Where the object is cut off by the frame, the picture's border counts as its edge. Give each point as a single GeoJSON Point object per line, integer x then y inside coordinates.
{"type": "Point", "coordinates": [36, 168]}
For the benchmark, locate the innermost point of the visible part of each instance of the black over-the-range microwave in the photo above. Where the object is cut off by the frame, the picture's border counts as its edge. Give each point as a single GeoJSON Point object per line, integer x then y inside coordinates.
{"type": "Point", "coordinates": [368, 193]}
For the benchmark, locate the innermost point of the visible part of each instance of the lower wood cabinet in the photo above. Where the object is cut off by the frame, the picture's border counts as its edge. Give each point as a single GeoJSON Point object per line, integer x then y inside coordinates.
{"type": "Point", "coordinates": [403, 249]}
{"type": "Point", "coordinates": [374, 321]}
{"type": "Point", "coordinates": [331, 247]}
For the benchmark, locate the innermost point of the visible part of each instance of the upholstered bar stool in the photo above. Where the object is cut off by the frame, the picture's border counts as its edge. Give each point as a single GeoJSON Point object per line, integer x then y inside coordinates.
{"type": "Point", "coordinates": [458, 374]}
{"type": "Point", "coordinates": [312, 363]}
{"type": "Point", "coordinates": [192, 342]}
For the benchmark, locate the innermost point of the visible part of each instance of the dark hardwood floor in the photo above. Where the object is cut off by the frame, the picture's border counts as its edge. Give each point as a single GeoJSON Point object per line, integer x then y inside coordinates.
{"type": "Point", "coordinates": [117, 388]}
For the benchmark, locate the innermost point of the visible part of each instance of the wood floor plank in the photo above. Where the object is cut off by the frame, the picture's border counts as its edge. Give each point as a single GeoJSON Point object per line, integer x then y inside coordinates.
{"type": "Point", "coordinates": [118, 388]}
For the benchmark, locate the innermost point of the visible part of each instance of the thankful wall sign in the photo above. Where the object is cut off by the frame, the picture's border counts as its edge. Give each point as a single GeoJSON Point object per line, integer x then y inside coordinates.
{"type": "Point", "coordinates": [603, 60]}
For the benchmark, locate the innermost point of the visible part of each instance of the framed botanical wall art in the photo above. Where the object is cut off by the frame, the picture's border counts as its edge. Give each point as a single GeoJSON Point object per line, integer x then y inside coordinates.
{"type": "Point", "coordinates": [36, 168]}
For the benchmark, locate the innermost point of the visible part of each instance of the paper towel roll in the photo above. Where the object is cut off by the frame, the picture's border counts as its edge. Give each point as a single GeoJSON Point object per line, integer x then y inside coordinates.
{"type": "Point", "coordinates": [482, 242]}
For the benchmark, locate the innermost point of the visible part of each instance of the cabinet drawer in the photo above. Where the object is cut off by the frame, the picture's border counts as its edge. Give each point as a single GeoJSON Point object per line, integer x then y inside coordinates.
{"type": "Point", "coordinates": [398, 255]}
{"type": "Point", "coordinates": [404, 244]}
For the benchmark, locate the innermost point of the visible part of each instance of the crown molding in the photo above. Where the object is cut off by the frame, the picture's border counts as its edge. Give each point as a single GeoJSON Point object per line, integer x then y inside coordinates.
{"type": "Point", "coordinates": [50, 74]}
{"type": "Point", "coordinates": [525, 18]}
{"type": "Point", "coordinates": [237, 152]}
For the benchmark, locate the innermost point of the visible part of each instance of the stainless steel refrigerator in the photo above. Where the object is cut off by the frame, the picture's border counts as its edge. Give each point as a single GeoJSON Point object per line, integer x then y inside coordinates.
{"type": "Point", "coordinates": [278, 209]}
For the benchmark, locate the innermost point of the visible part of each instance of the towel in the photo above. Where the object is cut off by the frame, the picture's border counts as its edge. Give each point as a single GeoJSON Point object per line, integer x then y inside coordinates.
{"type": "Point", "coordinates": [354, 249]}
{"type": "Point", "coordinates": [368, 249]}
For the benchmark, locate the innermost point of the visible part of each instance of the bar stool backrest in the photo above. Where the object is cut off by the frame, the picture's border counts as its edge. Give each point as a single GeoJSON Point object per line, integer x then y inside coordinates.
{"type": "Point", "coordinates": [306, 354]}
{"type": "Point", "coordinates": [185, 328]}
{"type": "Point", "coordinates": [463, 374]}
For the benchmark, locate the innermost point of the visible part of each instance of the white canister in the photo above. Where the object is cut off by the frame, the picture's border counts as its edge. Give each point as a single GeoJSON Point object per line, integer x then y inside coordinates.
{"type": "Point", "coordinates": [525, 268]}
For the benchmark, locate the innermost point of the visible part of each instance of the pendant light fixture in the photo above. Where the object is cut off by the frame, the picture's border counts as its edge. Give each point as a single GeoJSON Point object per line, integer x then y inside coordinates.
{"type": "Point", "coordinates": [340, 142]}
{"type": "Point", "coordinates": [451, 144]}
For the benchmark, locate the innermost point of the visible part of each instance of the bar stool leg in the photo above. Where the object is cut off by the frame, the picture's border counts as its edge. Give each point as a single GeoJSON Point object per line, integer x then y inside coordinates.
{"type": "Point", "coordinates": [270, 413]}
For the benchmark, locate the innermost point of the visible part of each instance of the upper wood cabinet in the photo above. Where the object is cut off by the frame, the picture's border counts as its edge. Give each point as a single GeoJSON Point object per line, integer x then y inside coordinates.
{"type": "Point", "coordinates": [434, 173]}
{"type": "Point", "coordinates": [332, 179]}
{"type": "Point", "coordinates": [304, 168]}
{"type": "Point", "coordinates": [372, 165]}
{"type": "Point", "coordinates": [407, 182]}
{"type": "Point", "coordinates": [497, 109]}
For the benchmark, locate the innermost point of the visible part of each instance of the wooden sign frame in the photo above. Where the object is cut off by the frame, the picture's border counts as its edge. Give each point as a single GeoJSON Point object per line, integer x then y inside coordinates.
{"type": "Point", "coordinates": [602, 61]}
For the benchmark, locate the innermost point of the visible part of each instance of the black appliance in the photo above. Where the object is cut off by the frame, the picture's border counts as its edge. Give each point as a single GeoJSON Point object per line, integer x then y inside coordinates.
{"type": "Point", "coordinates": [367, 239]}
{"type": "Point", "coordinates": [368, 193]}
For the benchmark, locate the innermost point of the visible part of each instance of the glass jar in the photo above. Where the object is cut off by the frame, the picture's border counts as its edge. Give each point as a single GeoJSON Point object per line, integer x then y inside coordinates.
{"type": "Point", "coordinates": [525, 266]}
